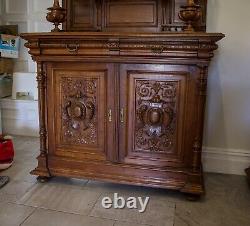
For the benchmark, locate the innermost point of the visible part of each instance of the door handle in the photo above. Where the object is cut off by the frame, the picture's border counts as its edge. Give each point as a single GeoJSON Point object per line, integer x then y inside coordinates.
{"type": "Point", "coordinates": [110, 115]}
{"type": "Point", "coordinates": [72, 48]}
{"type": "Point", "coordinates": [122, 116]}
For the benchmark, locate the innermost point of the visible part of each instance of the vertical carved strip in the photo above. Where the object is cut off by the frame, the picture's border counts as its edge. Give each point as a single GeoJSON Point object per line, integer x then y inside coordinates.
{"type": "Point", "coordinates": [99, 14]}
{"type": "Point", "coordinates": [164, 15]}
{"type": "Point", "coordinates": [166, 18]}
{"type": "Point", "coordinates": [41, 80]}
{"type": "Point", "coordinates": [201, 92]}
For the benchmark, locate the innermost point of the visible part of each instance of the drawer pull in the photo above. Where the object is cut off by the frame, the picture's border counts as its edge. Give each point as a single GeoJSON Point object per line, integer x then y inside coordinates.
{"type": "Point", "coordinates": [72, 48]}
{"type": "Point", "coordinates": [110, 115]}
{"type": "Point", "coordinates": [122, 115]}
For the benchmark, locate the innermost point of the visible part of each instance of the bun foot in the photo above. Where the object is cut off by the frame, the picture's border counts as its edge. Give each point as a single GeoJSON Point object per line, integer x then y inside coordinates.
{"type": "Point", "coordinates": [42, 179]}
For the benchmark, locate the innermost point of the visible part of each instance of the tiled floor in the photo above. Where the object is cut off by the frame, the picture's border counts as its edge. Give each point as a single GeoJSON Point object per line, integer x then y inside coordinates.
{"type": "Point", "coordinates": [71, 202]}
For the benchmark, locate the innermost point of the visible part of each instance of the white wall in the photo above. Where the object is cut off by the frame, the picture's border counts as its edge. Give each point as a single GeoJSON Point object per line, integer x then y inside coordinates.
{"type": "Point", "coordinates": [21, 117]}
{"type": "Point", "coordinates": [227, 126]}
{"type": "Point", "coordinates": [30, 16]}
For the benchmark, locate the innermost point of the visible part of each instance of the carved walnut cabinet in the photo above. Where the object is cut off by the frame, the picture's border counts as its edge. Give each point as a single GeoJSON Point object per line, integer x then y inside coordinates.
{"type": "Point", "coordinates": [122, 106]}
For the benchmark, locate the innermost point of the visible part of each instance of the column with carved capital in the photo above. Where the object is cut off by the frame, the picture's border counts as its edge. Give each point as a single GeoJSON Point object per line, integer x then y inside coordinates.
{"type": "Point", "coordinates": [194, 184]}
{"type": "Point", "coordinates": [201, 92]}
{"type": "Point", "coordinates": [42, 170]}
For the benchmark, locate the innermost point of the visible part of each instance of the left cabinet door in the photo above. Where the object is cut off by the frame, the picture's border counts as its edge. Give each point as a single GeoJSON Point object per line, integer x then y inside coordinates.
{"type": "Point", "coordinates": [80, 124]}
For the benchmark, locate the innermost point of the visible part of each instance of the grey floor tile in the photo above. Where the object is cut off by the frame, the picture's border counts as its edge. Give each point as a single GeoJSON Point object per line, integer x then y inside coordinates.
{"type": "Point", "coordinates": [119, 223]}
{"type": "Point", "coordinates": [106, 187]}
{"type": "Point", "coordinates": [158, 213]}
{"type": "Point", "coordinates": [13, 215]}
{"type": "Point", "coordinates": [14, 190]}
{"type": "Point", "coordinates": [178, 221]}
{"type": "Point", "coordinates": [211, 211]}
{"type": "Point", "coordinates": [227, 200]}
{"type": "Point", "coordinates": [61, 198]}
{"type": "Point", "coordinates": [7, 198]}
{"type": "Point", "coordinates": [17, 187]}
{"type": "Point", "coordinates": [69, 182]}
{"type": "Point", "coordinates": [37, 195]}
{"type": "Point", "coordinates": [21, 172]}
{"type": "Point", "coordinates": [129, 190]}
{"type": "Point", "coordinates": [43, 217]}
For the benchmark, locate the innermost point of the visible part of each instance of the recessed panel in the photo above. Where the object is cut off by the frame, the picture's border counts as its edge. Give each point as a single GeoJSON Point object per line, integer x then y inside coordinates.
{"type": "Point", "coordinates": [131, 13]}
{"type": "Point", "coordinates": [81, 108]}
{"type": "Point", "coordinates": [82, 14]}
{"type": "Point", "coordinates": [156, 109]}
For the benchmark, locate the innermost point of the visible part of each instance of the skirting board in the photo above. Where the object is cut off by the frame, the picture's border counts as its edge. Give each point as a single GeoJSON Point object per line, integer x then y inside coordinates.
{"type": "Point", "coordinates": [227, 161]}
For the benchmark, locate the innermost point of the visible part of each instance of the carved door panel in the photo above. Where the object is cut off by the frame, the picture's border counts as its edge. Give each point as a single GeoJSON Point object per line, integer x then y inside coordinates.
{"type": "Point", "coordinates": [78, 110]}
{"type": "Point", "coordinates": [152, 113]}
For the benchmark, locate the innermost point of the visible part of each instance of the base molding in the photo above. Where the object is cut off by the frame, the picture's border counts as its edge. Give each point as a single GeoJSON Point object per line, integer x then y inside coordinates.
{"type": "Point", "coordinates": [181, 179]}
{"type": "Point", "coordinates": [226, 161]}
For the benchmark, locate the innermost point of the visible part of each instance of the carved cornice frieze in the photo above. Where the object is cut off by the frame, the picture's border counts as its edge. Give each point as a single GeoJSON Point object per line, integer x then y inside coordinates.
{"type": "Point", "coordinates": [113, 45]}
{"type": "Point", "coordinates": [170, 45]}
{"type": "Point", "coordinates": [33, 46]}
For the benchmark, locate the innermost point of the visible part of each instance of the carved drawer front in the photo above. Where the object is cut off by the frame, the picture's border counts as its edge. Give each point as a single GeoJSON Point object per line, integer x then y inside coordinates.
{"type": "Point", "coordinates": [80, 102]}
{"type": "Point", "coordinates": [154, 108]}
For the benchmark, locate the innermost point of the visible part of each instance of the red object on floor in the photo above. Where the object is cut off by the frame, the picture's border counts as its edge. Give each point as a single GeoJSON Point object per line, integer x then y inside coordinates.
{"type": "Point", "coordinates": [6, 151]}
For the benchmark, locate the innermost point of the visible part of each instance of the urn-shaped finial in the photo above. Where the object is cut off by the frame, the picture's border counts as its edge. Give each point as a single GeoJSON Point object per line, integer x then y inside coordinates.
{"type": "Point", "coordinates": [56, 15]}
{"type": "Point", "coordinates": [190, 14]}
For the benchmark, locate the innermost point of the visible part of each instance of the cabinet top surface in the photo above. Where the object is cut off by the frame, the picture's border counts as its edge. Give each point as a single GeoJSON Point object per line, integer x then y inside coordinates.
{"type": "Point", "coordinates": [170, 35]}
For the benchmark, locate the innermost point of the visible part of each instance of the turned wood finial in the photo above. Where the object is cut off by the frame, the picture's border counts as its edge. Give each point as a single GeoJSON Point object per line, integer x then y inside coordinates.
{"type": "Point", "coordinates": [56, 3]}
{"type": "Point", "coordinates": [190, 2]}
{"type": "Point", "coordinates": [190, 14]}
{"type": "Point", "coordinates": [56, 15]}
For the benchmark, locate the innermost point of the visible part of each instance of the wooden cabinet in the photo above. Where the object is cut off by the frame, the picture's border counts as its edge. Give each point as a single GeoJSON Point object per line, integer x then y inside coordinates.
{"type": "Point", "coordinates": [121, 106]}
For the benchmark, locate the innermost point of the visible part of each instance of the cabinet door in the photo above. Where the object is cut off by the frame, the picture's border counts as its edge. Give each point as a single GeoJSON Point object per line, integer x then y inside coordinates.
{"type": "Point", "coordinates": [79, 110]}
{"type": "Point", "coordinates": [152, 112]}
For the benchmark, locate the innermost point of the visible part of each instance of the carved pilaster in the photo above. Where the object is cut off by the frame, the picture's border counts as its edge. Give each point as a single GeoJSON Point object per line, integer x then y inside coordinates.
{"type": "Point", "coordinates": [202, 83]}
{"type": "Point", "coordinates": [41, 80]}
{"type": "Point", "coordinates": [201, 92]}
{"type": "Point", "coordinates": [197, 149]}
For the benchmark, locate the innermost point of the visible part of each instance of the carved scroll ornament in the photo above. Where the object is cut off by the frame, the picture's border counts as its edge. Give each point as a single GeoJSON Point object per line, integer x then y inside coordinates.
{"type": "Point", "coordinates": [79, 122]}
{"type": "Point", "coordinates": [156, 115]}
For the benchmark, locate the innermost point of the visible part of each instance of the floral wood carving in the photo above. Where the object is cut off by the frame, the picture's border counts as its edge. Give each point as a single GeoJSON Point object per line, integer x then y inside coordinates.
{"type": "Point", "coordinates": [79, 113]}
{"type": "Point", "coordinates": [156, 106]}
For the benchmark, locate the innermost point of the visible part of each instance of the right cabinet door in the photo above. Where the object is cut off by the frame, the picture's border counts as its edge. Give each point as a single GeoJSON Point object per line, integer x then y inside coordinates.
{"type": "Point", "coordinates": [156, 114]}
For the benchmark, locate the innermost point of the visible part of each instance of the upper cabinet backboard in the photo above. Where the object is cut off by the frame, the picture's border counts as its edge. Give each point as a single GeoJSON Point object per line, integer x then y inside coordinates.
{"type": "Point", "coordinates": [127, 15]}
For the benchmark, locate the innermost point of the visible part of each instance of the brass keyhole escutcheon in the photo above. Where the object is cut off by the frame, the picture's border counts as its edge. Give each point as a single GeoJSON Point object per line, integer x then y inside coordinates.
{"type": "Point", "coordinates": [122, 118]}
{"type": "Point", "coordinates": [110, 115]}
